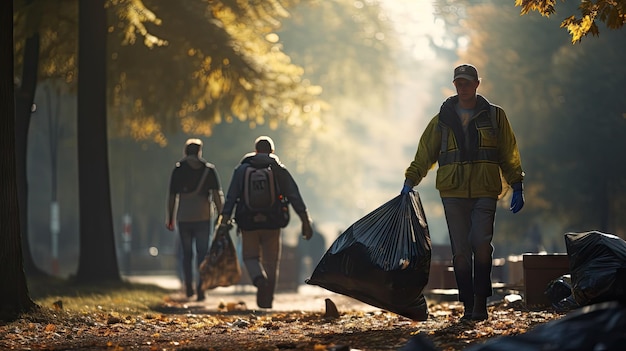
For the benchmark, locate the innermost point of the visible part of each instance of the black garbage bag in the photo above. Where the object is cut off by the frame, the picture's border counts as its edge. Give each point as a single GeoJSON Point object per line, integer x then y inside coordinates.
{"type": "Point", "coordinates": [598, 267]}
{"type": "Point", "coordinates": [383, 259]}
{"type": "Point", "coordinates": [594, 327]}
{"type": "Point", "coordinates": [220, 266]}
{"type": "Point", "coordinates": [559, 292]}
{"type": "Point", "coordinates": [419, 342]}
{"type": "Point", "coordinates": [559, 288]}
{"type": "Point", "coordinates": [566, 304]}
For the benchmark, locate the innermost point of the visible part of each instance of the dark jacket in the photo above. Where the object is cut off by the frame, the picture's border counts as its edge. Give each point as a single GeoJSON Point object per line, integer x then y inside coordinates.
{"type": "Point", "coordinates": [287, 184]}
{"type": "Point", "coordinates": [193, 206]}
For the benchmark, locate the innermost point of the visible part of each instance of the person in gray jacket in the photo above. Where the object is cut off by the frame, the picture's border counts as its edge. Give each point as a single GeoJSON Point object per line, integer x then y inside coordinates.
{"type": "Point", "coordinates": [261, 237]}
{"type": "Point", "coordinates": [194, 184]}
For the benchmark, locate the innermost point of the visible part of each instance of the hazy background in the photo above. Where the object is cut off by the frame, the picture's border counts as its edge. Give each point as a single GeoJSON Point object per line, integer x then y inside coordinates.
{"type": "Point", "coordinates": [566, 103]}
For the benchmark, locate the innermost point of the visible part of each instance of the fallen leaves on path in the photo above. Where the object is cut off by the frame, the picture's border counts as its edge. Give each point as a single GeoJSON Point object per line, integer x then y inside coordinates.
{"type": "Point", "coordinates": [52, 329]}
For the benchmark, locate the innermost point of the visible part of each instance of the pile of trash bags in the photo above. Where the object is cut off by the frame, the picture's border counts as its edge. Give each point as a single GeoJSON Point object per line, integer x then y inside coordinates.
{"type": "Point", "coordinates": [598, 267]}
{"type": "Point", "coordinates": [383, 259]}
{"type": "Point", "coordinates": [593, 294]}
{"type": "Point", "coordinates": [597, 271]}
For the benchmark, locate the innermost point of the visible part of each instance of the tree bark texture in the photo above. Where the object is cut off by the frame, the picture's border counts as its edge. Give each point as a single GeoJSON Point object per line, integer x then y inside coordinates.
{"type": "Point", "coordinates": [98, 260]}
{"type": "Point", "coordinates": [14, 296]}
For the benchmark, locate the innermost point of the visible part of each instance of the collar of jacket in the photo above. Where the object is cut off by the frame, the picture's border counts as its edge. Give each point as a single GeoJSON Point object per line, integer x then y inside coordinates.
{"type": "Point", "coordinates": [193, 161]}
{"type": "Point", "coordinates": [449, 118]}
{"type": "Point", "coordinates": [448, 115]}
{"type": "Point", "coordinates": [260, 159]}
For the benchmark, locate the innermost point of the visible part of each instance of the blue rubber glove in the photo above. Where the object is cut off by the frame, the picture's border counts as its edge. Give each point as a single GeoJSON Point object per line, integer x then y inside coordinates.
{"type": "Point", "coordinates": [517, 201]}
{"type": "Point", "coordinates": [406, 189]}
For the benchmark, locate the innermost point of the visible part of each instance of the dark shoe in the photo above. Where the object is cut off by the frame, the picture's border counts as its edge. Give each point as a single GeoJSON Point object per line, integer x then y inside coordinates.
{"type": "Point", "coordinates": [189, 290]}
{"type": "Point", "coordinates": [200, 296]}
{"type": "Point", "coordinates": [479, 313]}
{"type": "Point", "coordinates": [200, 292]}
{"type": "Point", "coordinates": [480, 317]}
{"type": "Point", "coordinates": [263, 293]}
{"type": "Point", "coordinates": [467, 312]}
{"type": "Point", "coordinates": [263, 298]}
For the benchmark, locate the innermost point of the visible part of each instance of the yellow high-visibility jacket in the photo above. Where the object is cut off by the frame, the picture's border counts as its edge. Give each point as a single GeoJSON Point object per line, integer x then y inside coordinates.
{"type": "Point", "coordinates": [472, 168]}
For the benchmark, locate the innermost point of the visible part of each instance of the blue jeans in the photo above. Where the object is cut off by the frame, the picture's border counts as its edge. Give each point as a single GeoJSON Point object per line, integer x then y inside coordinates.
{"type": "Point", "coordinates": [470, 225]}
{"type": "Point", "coordinates": [190, 232]}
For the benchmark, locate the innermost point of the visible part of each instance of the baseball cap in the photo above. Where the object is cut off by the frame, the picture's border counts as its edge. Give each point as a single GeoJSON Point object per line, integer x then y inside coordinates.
{"type": "Point", "coordinates": [465, 71]}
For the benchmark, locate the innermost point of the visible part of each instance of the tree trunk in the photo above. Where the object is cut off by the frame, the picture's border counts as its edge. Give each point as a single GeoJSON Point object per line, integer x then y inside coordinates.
{"type": "Point", "coordinates": [23, 109]}
{"type": "Point", "coordinates": [98, 260]}
{"type": "Point", "coordinates": [14, 296]}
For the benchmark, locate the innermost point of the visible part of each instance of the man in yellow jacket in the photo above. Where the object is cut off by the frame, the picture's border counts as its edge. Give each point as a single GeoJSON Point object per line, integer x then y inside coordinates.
{"type": "Point", "coordinates": [474, 145]}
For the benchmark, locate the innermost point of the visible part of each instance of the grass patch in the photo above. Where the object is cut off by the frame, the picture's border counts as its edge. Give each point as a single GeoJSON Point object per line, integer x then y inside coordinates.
{"type": "Point", "coordinates": [108, 297]}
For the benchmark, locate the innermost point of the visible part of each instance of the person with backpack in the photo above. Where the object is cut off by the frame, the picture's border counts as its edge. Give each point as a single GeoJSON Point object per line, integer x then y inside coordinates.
{"type": "Point", "coordinates": [260, 191]}
{"type": "Point", "coordinates": [194, 185]}
{"type": "Point", "coordinates": [474, 145]}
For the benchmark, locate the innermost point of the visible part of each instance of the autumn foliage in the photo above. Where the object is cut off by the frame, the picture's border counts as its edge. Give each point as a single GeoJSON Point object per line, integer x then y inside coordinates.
{"type": "Point", "coordinates": [611, 13]}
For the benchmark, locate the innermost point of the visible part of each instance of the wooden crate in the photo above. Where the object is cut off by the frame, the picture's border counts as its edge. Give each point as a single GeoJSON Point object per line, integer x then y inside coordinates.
{"type": "Point", "coordinates": [539, 271]}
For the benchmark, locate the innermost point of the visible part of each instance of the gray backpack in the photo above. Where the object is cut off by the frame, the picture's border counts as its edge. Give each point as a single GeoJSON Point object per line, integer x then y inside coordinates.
{"type": "Point", "coordinates": [262, 204]}
{"type": "Point", "coordinates": [260, 189]}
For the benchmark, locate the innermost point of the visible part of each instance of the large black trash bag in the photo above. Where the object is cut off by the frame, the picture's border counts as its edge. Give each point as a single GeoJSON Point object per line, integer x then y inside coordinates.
{"type": "Point", "coordinates": [383, 259]}
{"type": "Point", "coordinates": [595, 327]}
{"type": "Point", "coordinates": [598, 267]}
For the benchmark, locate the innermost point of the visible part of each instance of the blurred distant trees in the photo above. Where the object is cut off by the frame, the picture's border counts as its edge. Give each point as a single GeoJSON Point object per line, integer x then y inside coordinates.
{"type": "Point", "coordinates": [192, 65]}
{"type": "Point", "coordinates": [236, 69]}
{"type": "Point", "coordinates": [611, 12]}
{"type": "Point", "coordinates": [173, 65]}
{"type": "Point", "coordinates": [350, 49]}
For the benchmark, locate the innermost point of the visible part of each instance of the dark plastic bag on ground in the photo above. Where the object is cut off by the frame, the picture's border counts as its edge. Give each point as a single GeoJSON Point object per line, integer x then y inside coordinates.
{"type": "Point", "coordinates": [559, 292]}
{"type": "Point", "coordinates": [383, 259]}
{"type": "Point", "coordinates": [220, 266]}
{"type": "Point", "coordinates": [596, 327]}
{"type": "Point", "coordinates": [597, 266]}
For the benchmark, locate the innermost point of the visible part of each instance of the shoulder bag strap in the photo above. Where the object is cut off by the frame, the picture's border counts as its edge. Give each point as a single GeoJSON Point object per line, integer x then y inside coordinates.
{"type": "Point", "coordinates": [199, 187]}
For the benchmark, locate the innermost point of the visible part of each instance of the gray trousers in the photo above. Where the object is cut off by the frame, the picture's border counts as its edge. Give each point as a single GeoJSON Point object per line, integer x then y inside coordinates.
{"type": "Point", "coordinates": [470, 225]}
{"type": "Point", "coordinates": [260, 250]}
